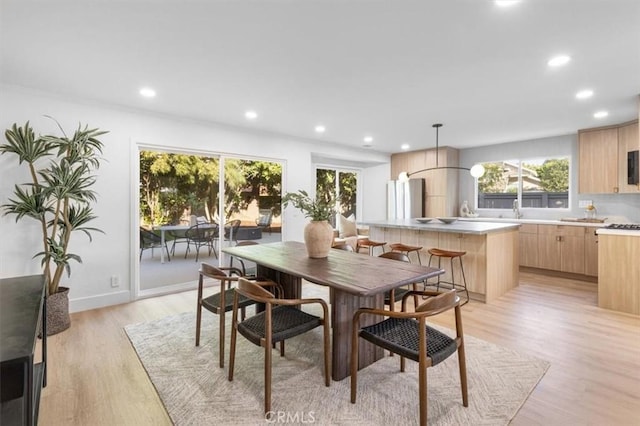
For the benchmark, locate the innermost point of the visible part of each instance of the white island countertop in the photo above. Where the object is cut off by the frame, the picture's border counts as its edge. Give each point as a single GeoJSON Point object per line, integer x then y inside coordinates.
{"type": "Point", "coordinates": [459, 226]}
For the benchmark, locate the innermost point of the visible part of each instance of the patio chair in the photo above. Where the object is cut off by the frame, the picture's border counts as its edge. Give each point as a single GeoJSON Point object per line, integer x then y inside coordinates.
{"type": "Point", "coordinates": [202, 235]}
{"type": "Point", "coordinates": [149, 240]}
{"type": "Point", "coordinates": [408, 335]}
{"type": "Point", "coordinates": [231, 230]}
{"type": "Point", "coordinates": [264, 220]}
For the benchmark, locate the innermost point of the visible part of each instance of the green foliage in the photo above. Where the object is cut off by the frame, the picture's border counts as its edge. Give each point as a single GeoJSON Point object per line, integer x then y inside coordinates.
{"type": "Point", "coordinates": [315, 209]}
{"type": "Point", "coordinates": [493, 179]}
{"type": "Point", "coordinates": [60, 194]}
{"type": "Point", "coordinates": [347, 183]}
{"type": "Point", "coordinates": [554, 175]}
{"type": "Point", "coordinates": [171, 183]}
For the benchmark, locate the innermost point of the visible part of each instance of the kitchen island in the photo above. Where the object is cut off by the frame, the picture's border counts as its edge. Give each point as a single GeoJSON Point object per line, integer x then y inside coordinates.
{"type": "Point", "coordinates": [491, 262]}
{"type": "Point", "coordinates": [619, 270]}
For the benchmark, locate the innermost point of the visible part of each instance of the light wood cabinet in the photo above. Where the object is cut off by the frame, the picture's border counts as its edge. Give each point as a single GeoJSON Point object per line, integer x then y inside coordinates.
{"type": "Point", "coordinates": [561, 248]}
{"type": "Point", "coordinates": [619, 273]}
{"type": "Point", "coordinates": [590, 252]}
{"type": "Point", "coordinates": [441, 186]}
{"type": "Point", "coordinates": [628, 140]}
{"type": "Point", "coordinates": [602, 158]}
{"type": "Point", "coordinates": [598, 160]}
{"type": "Point", "coordinates": [529, 245]}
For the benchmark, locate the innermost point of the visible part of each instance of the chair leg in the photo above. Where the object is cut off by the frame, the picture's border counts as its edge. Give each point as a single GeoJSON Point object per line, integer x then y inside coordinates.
{"type": "Point", "coordinates": [462, 363]}
{"type": "Point", "coordinates": [221, 335]}
{"type": "Point", "coordinates": [198, 322]}
{"type": "Point", "coordinates": [282, 348]}
{"type": "Point", "coordinates": [327, 354]}
{"type": "Point", "coordinates": [232, 350]}
{"type": "Point", "coordinates": [422, 379]}
{"type": "Point", "coordinates": [354, 362]}
{"type": "Point", "coordinates": [167, 249]}
{"type": "Point", "coordinates": [267, 378]}
{"type": "Point", "coordinates": [464, 280]}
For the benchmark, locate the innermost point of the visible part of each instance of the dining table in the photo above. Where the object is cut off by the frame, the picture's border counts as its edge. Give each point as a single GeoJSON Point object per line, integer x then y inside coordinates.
{"type": "Point", "coordinates": [355, 280]}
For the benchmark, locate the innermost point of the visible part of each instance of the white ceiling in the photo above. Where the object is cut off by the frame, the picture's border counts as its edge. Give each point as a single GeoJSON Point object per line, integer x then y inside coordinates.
{"type": "Point", "coordinates": [388, 69]}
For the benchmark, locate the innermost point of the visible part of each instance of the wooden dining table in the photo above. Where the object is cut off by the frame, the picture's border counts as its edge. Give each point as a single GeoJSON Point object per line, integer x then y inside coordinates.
{"type": "Point", "coordinates": [355, 281]}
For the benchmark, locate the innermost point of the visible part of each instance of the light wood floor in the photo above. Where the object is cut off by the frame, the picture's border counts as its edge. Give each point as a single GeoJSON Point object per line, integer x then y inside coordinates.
{"type": "Point", "coordinates": [95, 377]}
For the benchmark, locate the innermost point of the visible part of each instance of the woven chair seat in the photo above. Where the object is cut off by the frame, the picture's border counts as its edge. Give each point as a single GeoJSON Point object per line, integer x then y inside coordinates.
{"type": "Point", "coordinates": [286, 322]}
{"type": "Point", "coordinates": [400, 335]}
{"type": "Point", "coordinates": [212, 303]}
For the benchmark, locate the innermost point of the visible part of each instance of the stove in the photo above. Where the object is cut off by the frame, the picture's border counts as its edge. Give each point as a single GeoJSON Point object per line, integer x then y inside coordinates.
{"type": "Point", "coordinates": [624, 226]}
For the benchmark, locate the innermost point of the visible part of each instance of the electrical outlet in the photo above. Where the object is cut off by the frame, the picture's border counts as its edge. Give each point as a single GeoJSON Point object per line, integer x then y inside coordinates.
{"type": "Point", "coordinates": [583, 204]}
{"type": "Point", "coordinates": [115, 281]}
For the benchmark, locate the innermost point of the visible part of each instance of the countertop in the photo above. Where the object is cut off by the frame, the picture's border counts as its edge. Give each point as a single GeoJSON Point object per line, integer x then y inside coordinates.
{"type": "Point", "coordinates": [534, 221]}
{"type": "Point", "coordinates": [459, 226]}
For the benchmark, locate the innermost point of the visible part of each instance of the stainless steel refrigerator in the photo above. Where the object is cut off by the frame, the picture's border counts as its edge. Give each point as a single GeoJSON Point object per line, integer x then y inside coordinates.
{"type": "Point", "coordinates": [405, 200]}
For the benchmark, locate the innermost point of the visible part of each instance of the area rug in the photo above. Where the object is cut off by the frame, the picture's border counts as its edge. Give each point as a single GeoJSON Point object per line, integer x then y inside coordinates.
{"type": "Point", "coordinates": [195, 391]}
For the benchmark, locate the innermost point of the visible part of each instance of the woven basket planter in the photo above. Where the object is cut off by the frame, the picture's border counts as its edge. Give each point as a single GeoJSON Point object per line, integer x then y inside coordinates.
{"type": "Point", "coordinates": [58, 318]}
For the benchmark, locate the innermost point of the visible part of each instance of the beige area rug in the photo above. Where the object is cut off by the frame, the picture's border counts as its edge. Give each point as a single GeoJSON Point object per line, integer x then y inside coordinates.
{"type": "Point", "coordinates": [195, 391]}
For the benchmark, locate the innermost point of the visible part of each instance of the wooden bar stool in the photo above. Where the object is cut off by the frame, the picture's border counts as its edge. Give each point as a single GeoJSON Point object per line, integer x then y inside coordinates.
{"type": "Point", "coordinates": [370, 245]}
{"type": "Point", "coordinates": [451, 255]}
{"type": "Point", "coordinates": [406, 249]}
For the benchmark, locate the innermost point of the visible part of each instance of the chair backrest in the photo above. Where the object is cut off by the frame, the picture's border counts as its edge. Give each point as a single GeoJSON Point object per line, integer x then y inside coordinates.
{"type": "Point", "coordinates": [394, 255]}
{"type": "Point", "coordinates": [232, 228]}
{"type": "Point", "coordinates": [211, 271]}
{"type": "Point", "coordinates": [440, 303]}
{"type": "Point", "coordinates": [148, 238]}
{"type": "Point", "coordinates": [200, 232]}
{"type": "Point", "coordinates": [265, 217]}
{"type": "Point", "coordinates": [253, 291]}
{"type": "Point", "coordinates": [343, 246]}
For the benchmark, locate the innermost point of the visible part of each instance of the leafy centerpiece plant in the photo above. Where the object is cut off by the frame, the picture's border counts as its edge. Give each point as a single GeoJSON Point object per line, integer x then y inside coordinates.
{"type": "Point", "coordinates": [59, 197]}
{"type": "Point", "coordinates": [318, 234]}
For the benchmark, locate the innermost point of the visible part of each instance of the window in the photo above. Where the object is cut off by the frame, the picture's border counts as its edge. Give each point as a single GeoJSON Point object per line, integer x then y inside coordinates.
{"type": "Point", "coordinates": [339, 185]}
{"type": "Point", "coordinates": [535, 183]}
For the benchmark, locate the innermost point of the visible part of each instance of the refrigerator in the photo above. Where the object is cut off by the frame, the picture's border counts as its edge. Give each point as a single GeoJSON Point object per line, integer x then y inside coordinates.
{"type": "Point", "coordinates": [405, 200]}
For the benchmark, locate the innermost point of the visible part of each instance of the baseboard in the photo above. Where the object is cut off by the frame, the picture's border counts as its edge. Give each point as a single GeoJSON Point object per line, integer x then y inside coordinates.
{"type": "Point", "coordinates": [100, 301]}
{"type": "Point", "coordinates": [559, 274]}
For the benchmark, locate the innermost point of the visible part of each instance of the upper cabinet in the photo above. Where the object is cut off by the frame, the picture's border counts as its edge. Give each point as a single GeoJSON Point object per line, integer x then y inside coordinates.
{"type": "Point", "coordinates": [602, 156]}
{"type": "Point", "coordinates": [441, 185]}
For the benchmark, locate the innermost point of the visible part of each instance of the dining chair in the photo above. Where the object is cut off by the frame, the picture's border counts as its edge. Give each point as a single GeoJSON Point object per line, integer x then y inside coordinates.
{"type": "Point", "coordinates": [264, 220]}
{"type": "Point", "coordinates": [281, 320]}
{"type": "Point", "coordinates": [343, 246]}
{"type": "Point", "coordinates": [394, 295]}
{"type": "Point", "coordinates": [231, 257]}
{"type": "Point", "coordinates": [408, 335]}
{"type": "Point", "coordinates": [218, 303]}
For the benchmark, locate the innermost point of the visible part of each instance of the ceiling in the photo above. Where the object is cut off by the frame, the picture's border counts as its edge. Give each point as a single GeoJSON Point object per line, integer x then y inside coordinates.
{"type": "Point", "coordinates": [385, 69]}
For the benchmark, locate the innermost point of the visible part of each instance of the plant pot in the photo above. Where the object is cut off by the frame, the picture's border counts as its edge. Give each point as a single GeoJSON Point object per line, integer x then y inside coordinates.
{"type": "Point", "coordinates": [318, 237]}
{"type": "Point", "coordinates": [58, 318]}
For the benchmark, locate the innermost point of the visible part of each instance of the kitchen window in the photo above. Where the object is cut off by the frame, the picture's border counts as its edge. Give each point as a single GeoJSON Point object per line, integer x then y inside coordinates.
{"type": "Point", "coordinates": [539, 183]}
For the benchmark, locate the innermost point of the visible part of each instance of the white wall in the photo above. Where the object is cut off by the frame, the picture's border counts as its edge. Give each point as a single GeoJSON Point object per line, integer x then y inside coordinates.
{"type": "Point", "coordinates": [113, 253]}
{"type": "Point", "coordinates": [617, 207]}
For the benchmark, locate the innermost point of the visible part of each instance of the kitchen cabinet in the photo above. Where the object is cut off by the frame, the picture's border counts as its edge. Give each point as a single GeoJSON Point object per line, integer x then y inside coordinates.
{"type": "Point", "coordinates": [441, 185]}
{"type": "Point", "coordinates": [602, 158]}
{"type": "Point", "coordinates": [529, 245]}
{"type": "Point", "coordinates": [619, 272]}
{"type": "Point", "coordinates": [590, 251]}
{"type": "Point", "coordinates": [628, 140]}
{"type": "Point", "coordinates": [561, 248]}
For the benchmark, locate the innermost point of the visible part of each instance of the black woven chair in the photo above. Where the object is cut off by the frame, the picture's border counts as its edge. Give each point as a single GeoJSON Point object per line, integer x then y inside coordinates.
{"type": "Point", "coordinates": [202, 235]}
{"type": "Point", "coordinates": [408, 335]}
{"type": "Point", "coordinates": [149, 240]}
{"type": "Point", "coordinates": [396, 294]}
{"type": "Point", "coordinates": [214, 303]}
{"type": "Point", "coordinates": [232, 258]}
{"type": "Point", "coordinates": [280, 320]}
{"type": "Point", "coordinates": [231, 230]}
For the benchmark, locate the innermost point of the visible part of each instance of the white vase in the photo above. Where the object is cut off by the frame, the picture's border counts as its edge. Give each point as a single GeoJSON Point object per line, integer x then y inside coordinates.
{"type": "Point", "coordinates": [318, 238]}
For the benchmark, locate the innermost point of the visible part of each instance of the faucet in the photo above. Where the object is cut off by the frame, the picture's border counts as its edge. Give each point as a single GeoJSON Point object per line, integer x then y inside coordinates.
{"type": "Point", "coordinates": [516, 209]}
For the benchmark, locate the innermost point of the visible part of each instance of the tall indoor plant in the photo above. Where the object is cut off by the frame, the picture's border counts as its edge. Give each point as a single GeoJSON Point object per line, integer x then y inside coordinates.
{"type": "Point", "coordinates": [59, 197]}
{"type": "Point", "coordinates": [318, 234]}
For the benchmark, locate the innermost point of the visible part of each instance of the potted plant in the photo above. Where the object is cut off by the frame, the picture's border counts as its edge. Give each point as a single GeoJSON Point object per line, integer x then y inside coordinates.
{"type": "Point", "coordinates": [318, 234]}
{"type": "Point", "coordinates": [59, 197]}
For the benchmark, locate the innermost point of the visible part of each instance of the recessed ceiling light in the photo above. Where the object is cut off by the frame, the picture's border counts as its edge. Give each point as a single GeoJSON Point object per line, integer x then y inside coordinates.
{"type": "Point", "coordinates": [600, 114]}
{"type": "Point", "coordinates": [147, 92]}
{"type": "Point", "coordinates": [320, 128]}
{"type": "Point", "coordinates": [506, 3]}
{"type": "Point", "coordinates": [584, 94]}
{"type": "Point", "coordinates": [251, 115]}
{"type": "Point", "coordinates": [368, 139]}
{"type": "Point", "coordinates": [558, 61]}
{"type": "Point", "coordinates": [405, 146]}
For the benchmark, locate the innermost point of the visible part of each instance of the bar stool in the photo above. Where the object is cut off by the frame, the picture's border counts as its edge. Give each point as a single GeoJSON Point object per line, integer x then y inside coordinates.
{"type": "Point", "coordinates": [450, 254]}
{"type": "Point", "coordinates": [370, 245]}
{"type": "Point", "coordinates": [406, 249]}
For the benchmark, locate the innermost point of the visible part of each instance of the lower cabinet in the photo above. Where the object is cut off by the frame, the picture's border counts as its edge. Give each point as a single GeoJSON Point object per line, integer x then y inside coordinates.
{"type": "Point", "coordinates": [564, 248]}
